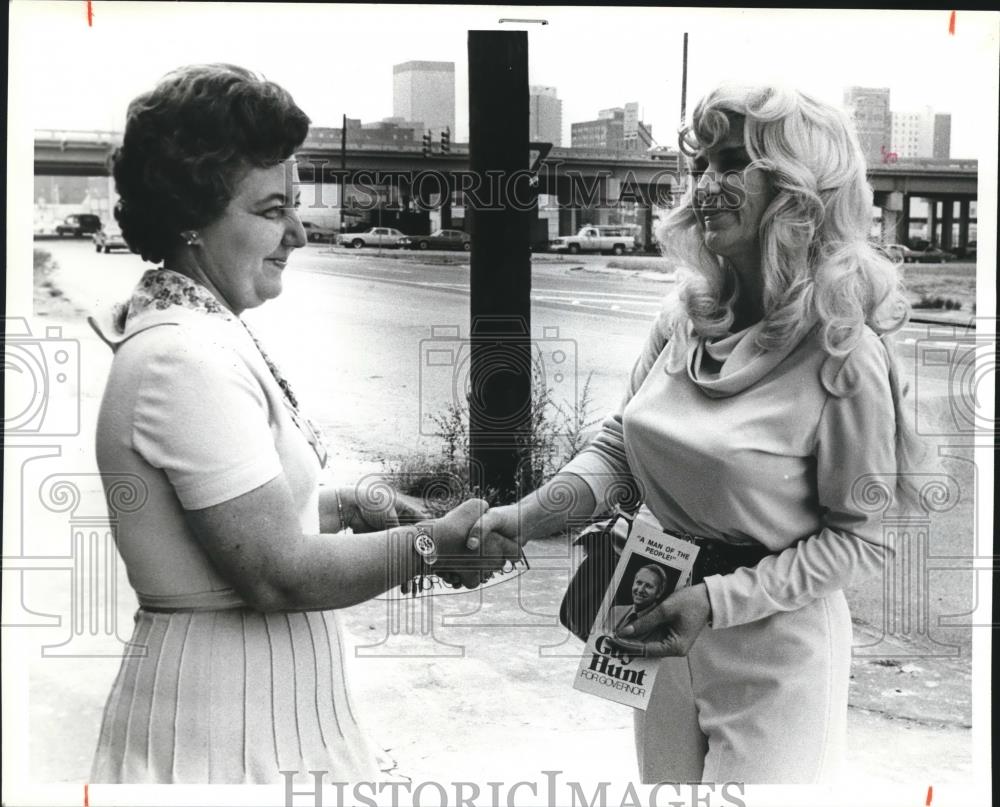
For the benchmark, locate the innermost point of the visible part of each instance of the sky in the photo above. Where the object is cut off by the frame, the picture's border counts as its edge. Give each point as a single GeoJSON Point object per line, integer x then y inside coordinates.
{"type": "Point", "coordinates": [337, 59]}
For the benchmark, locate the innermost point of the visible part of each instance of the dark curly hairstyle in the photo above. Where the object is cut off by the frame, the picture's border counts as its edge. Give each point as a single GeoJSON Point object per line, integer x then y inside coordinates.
{"type": "Point", "coordinates": [187, 143]}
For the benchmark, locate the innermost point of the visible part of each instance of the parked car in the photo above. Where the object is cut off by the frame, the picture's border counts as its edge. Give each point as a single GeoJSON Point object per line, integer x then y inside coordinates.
{"type": "Point", "coordinates": [897, 252]}
{"type": "Point", "coordinates": [442, 239]}
{"type": "Point", "coordinates": [375, 237]}
{"type": "Point", "coordinates": [969, 253]}
{"type": "Point", "coordinates": [317, 233]}
{"type": "Point", "coordinates": [79, 225]}
{"type": "Point", "coordinates": [930, 255]}
{"type": "Point", "coordinates": [109, 238]}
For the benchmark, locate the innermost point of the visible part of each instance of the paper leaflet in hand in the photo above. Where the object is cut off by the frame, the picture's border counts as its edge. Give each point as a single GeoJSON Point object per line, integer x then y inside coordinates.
{"type": "Point", "coordinates": [653, 564]}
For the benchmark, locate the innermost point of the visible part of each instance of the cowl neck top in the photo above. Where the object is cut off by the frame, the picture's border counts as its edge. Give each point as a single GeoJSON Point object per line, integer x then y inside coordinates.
{"type": "Point", "coordinates": [724, 366]}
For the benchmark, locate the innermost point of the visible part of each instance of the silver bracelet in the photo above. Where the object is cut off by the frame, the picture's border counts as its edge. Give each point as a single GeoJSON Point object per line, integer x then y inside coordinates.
{"type": "Point", "coordinates": [340, 512]}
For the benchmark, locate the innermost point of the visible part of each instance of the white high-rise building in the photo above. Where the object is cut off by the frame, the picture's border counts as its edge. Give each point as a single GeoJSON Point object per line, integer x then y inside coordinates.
{"type": "Point", "coordinates": [913, 133]}
{"type": "Point", "coordinates": [544, 115]}
{"type": "Point", "coordinates": [425, 91]}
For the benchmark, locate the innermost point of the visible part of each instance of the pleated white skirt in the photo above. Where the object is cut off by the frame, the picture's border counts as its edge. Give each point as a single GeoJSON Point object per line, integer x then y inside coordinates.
{"type": "Point", "coordinates": [232, 697]}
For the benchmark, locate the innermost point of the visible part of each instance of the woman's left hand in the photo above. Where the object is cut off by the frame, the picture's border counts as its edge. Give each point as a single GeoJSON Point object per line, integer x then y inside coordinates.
{"type": "Point", "coordinates": [376, 512]}
{"type": "Point", "coordinates": [671, 627]}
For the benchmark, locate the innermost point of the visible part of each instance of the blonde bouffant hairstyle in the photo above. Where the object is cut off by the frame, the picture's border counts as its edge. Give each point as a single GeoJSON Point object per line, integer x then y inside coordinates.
{"type": "Point", "coordinates": [818, 264]}
{"type": "Point", "coordinates": [820, 268]}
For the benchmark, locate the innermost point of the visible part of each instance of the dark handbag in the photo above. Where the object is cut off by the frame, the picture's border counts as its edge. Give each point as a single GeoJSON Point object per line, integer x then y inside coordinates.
{"type": "Point", "coordinates": [602, 546]}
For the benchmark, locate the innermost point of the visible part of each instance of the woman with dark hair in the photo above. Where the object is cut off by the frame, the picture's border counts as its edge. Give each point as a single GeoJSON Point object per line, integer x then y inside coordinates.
{"type": "Point", "coordinates": [764, 402]}
{"type": "Point", "coordinates": [236, 666]}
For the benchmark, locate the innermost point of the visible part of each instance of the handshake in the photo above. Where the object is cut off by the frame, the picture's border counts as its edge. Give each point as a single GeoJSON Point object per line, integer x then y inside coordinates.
{"type": "Point", "coordinates": [473, 542]}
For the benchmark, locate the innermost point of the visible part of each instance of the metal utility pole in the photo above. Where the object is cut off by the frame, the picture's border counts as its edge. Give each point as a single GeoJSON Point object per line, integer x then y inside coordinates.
{"type": "Point", "coordinates": [684, 82]}
{"type": "Point", "coordinates": [501, 213]}
{"type": "Point", "coordinates": [343, 169]}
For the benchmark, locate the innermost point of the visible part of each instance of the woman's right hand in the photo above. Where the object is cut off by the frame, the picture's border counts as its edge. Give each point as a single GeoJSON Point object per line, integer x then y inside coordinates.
{"type": "Point", "coordinates": [463, 559]}
{"type": "Point", "coordinates": [497, 525]}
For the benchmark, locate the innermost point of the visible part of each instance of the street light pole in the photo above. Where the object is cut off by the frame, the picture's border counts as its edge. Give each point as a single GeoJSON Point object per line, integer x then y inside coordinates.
{"type": "Point", "coordinates": [343, 168]}
{"type": "Point", "coordinates": [684, 81]}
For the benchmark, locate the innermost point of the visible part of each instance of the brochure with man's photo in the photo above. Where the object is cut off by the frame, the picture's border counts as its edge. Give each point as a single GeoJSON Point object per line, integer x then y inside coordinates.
{"type": "Point", "coordinates": [652, 566]}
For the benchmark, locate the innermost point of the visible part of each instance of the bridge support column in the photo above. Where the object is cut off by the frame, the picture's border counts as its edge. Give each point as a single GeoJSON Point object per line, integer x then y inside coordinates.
{"type": "Point", "coordinates": [963, 225]}
{"type": "Point", "coordinates": [895, 208]}
{"type": "Point", "coordinates": [947, 219]}
{"type": "Point", "coordinates": [932, 205]}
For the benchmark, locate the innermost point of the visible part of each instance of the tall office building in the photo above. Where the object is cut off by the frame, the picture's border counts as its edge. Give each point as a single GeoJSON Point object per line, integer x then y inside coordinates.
{"type": "Point", "coordinates": [942, 137]}
{"type": "Point", "coordinates": [869, 108]}
{"type": "Point", "coordinates": [425, 91]}
{"type": "Point", "coordinates": [544, 115]}
{"type": "Point", "coordinates": [617, 128]}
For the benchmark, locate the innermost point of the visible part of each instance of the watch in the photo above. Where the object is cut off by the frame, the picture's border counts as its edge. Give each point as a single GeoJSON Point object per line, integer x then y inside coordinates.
{"type": "Point", "coordinates": [424, 545]}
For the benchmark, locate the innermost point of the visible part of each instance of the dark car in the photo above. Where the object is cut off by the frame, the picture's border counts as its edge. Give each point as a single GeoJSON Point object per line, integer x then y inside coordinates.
{"type": "Point", "coordinates": [109, 238]}
{"type": "Point", "coordinates": [79, 225]}
{"type": "Point", "coordinates": [442, 239]}
{"type": "Point", "coordinates": [930, 255]}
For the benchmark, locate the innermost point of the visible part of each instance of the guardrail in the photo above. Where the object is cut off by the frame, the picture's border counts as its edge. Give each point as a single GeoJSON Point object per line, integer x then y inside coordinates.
{"type": "Point", "coordinates": [78, 135]}
{"type": "Point", "coordinates": [902, 165]}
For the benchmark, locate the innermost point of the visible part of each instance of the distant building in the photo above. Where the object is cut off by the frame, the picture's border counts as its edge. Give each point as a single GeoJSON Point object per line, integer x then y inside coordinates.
{"type": "Point", "coordinates": [617, 129]}
{"type": "Point", "coordinates": [942, 137]}
{"type": "Point", "coordinates": [869, 108]}
{"type": "Point", "coordinates": [389, 132]}
{"type": "Point", "coordinates": [544, 115]}
{"type": "Point", "coordinates": [921, 134]}
{"type": "Point", "coordinates": [425, 92]}
{"type": "Point", "coordinates": [603, 133]}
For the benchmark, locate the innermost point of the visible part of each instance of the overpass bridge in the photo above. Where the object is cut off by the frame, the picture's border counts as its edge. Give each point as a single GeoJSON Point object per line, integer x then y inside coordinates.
{"type": "Point", "coordinates": [580, 180]}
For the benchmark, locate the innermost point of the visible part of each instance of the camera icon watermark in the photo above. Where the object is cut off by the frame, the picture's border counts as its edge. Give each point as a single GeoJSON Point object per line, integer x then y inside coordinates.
{"type": "Point", "coordinates": [956, 373]}
{"type": "Point", "coordinates": [42, 376]}
{"type": "Point", "coordinates": [450, 381]}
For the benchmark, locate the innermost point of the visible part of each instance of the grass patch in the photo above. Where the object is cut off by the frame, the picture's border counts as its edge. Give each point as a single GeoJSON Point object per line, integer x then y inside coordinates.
{"type": "Point", "coordinates": [941, 286]}
{"type": "Point", "coordinates": [443, 481]}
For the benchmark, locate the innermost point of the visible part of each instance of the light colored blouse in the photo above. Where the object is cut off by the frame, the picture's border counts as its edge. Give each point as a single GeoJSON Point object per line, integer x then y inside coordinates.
{"type": "Point", "coordinates": [729, 442]}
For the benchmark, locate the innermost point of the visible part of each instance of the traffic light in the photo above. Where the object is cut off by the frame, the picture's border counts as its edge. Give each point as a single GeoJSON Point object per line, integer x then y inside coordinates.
{"type": "Point", "coordinates": [427, 144]}
{"type": "Point", "coordinates": [445, 140]}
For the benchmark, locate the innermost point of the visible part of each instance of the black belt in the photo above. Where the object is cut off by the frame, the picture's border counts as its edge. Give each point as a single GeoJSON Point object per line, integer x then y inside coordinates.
{"type": "Point", "coordinates": [718, 557]}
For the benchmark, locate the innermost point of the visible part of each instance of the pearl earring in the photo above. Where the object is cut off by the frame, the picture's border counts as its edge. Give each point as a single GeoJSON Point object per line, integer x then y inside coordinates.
{"type": "Point", "coordinates": [190, 237]}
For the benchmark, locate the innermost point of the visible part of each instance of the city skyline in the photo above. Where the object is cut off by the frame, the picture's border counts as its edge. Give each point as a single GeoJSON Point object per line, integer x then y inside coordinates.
{"type": "Point", "coordinates": [925, 67]}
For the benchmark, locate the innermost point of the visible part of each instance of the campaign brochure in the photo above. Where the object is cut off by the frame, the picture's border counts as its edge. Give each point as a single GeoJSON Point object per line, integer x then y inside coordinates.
{"type": "Point", "coordinates": [653, 564]}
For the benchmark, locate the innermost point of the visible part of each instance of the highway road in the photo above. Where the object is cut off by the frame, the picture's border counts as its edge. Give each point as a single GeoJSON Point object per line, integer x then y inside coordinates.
{"type": "Point", "coordinates": [361, 334]}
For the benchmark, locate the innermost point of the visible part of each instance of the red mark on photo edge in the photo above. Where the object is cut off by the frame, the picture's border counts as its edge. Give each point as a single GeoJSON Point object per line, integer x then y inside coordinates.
{"type": "Point", "coordinates": [86, 796]}
{"type": "Point", "coordinates": [930, 789]}
{"type": "Point", "coordinates": [90, 14]}
{"type": "Point", "coordinates": [951, 24]}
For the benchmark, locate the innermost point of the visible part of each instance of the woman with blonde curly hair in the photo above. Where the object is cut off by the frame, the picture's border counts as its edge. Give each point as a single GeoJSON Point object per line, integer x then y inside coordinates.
{"type": "Point", "coordinates": [765, 397]}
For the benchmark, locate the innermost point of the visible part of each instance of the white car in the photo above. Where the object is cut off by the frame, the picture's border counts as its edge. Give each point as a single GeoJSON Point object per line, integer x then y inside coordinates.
{"type": "Point", "coordinates": [375, 237]}
{"type": "Point", "coordinates": [109, 238]}
{"type": "Point", "coordinates": [317, 233]}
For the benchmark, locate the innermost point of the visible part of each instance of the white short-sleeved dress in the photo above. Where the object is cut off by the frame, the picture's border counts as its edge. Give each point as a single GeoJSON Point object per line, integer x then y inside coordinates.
{"type": "Point", "coordinates": [220, 694]}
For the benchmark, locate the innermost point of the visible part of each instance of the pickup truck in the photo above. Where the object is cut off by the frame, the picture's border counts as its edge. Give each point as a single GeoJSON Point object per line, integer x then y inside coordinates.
{"type": "Point", "coordinates": [618, 240]}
